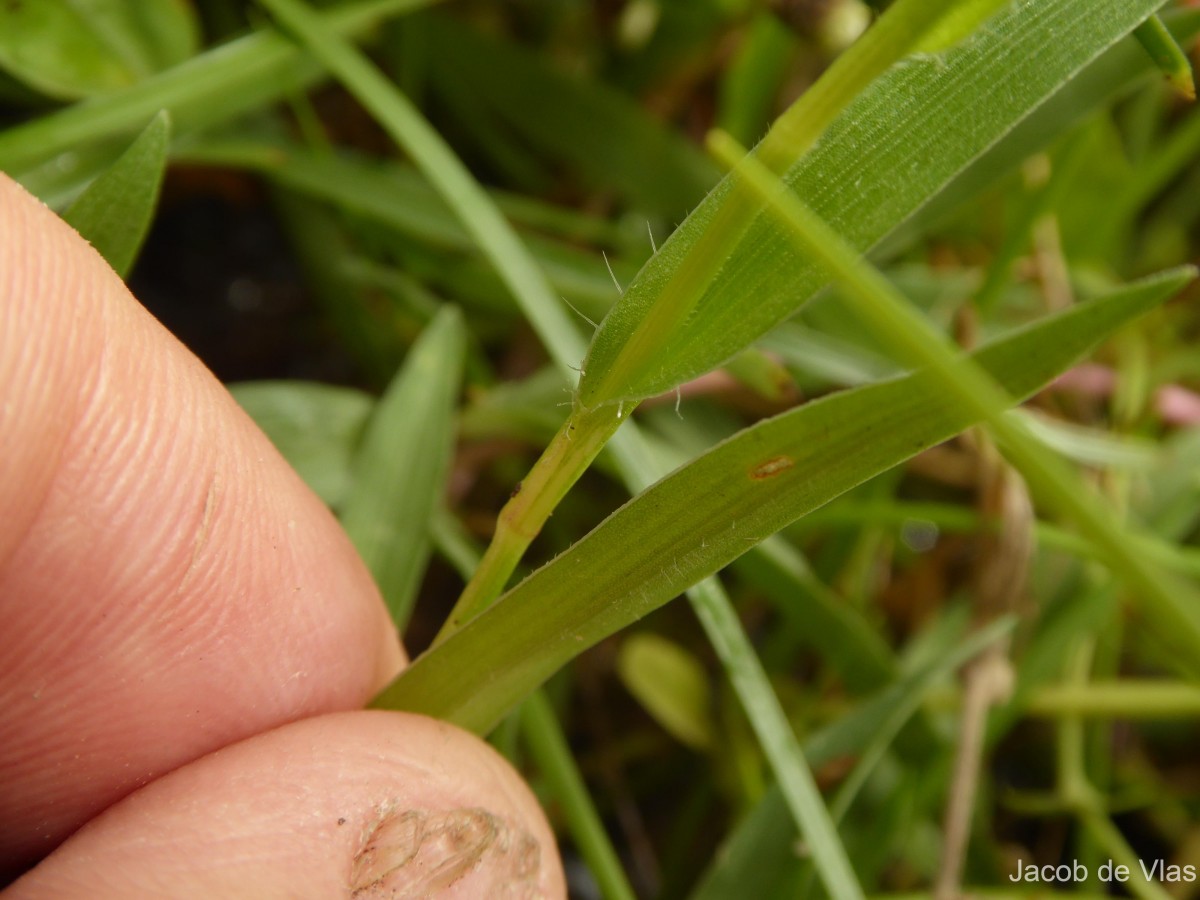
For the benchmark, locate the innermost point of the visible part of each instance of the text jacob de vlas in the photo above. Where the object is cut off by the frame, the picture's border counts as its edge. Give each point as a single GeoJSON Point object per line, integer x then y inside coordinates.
{"type": "Point", "coordinates": [1151, 870]}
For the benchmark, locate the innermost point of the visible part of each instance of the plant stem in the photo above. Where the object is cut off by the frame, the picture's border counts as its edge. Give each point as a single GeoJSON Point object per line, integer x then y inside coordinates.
{"type": "Point", "coordinates": [1106, 834]}
{"type": "Point", "coordinates": [546, 742]}
{"type": "Point", "coordinates": [777, 738]}
{"type": "Point", "coordinates": [1170, 58]}
{"type": "Point", "coordinates": [568, 455]}
{"type": "Point", "coordinates": [1117, 699]}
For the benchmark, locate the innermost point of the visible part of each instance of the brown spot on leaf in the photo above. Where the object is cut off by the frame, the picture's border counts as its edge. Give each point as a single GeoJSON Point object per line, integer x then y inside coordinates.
{"type": "Point", "coordinates": [771, 467]}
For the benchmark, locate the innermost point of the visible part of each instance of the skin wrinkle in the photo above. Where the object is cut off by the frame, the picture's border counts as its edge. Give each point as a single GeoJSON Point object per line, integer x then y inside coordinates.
{"type": "Point", "coordinates": [133, 594]}
{"type": "Point", "coordinates": [36, 373]}
{"type": "Point", "coordinates": [238, 826]}
{"type": "Point", "coordinates": [257, 613]}
{"type": "Point", "coordinates": [134, 441]}
{"type": "Point", "coordinates": [111, 453]}
{"type": "Point", "coordinates": [210, 499]}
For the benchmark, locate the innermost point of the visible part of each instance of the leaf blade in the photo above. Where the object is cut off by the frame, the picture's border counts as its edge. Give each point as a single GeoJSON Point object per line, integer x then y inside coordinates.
{"type": "Point", "coordinates": [114, 212]}
{"type": "Point", "coordinates": [248, 71]}
{"type": "Point", "coordinates": [609, 578]}
{"type": "Point", "coordinates": [925, 120]}
{"type": "Point", "coordinates": [71, 50]}
{"type": "Point", "coordinates": [402, 465]}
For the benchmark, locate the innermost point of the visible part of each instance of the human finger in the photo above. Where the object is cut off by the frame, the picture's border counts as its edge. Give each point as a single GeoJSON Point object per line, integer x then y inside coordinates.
{"type": "Point", "coordinates": [364, 804]}
{"type": "Point", "coordinates": [168, 585]}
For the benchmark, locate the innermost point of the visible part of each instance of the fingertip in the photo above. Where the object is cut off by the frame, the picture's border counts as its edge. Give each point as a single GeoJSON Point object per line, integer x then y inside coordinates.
{"type": "Point", "coordinates": [168, 584]}
{"type": "Point", "coordinates": [364, 804]}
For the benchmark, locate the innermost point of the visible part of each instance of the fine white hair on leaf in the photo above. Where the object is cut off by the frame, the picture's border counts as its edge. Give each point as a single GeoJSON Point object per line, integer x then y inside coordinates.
{"type": "Point", "coordinates": [611, 273]}
{"type": "Point", "coordinates": [575, 309]}
{"type": "Point", "coordinates": [650, 231]}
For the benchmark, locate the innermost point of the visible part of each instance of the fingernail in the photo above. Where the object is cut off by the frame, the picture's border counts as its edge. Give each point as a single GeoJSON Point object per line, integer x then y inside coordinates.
{"type": "Point", "coordinates": [414, 853]}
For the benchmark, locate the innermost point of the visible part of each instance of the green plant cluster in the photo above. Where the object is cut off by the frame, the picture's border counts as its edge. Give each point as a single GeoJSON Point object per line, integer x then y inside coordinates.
{"type": "Point", "coordinates": [904, 400]}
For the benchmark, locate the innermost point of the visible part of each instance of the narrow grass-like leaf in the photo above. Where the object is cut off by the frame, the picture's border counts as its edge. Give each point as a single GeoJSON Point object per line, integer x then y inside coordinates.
{"type": "Point", "coordinates": [399, 198]}
{"type": "Point", "coordinates": [437, 161]}
{"type": "Point", "coordinates": [761, 850]}
{"type": "Point", "coordinates": [775, 735]}
{"type": "Point", "coordinates": [647, 332]}
{"type": "Point", "coordinates": [1093, 447]}
{"type": "Point", "coordinates": [317, 428]}
{"type": "Point", "coordinates": [757, 71]}
{"type": "Point", "coordinates": [548, 746]}
{"type": "Point", "coordinates": [574, 447]}
{"type": "Point", "coordinates": [837, 631]}
{"type": "Point", "coordinates": [910, 692]}
{"type": "Point", "coordinates": [386, 191]}
{"type": "Point", "coordinates": [1175, 605]}
{"type": "Point", "coordinates": [215, 85]}
{"type": "Point", "coordinates": [752, 686]}
{"type": "Point", "coordinates": [711, 511]}
{"type": "Point", "coordinates": [552, 754]}
{"type": "Point", "coordinates": [400, 470]}
{"type": "Point", "coordinates": [114, 213]}
{"type": "Point", "coordinates": [604, 136]}
{"type": "Point", "coordinates": [1119, 69]}
{"type": "Point", "coordinates": [68, 50]}
{"type": "Point", "coordinates": [924, 121]}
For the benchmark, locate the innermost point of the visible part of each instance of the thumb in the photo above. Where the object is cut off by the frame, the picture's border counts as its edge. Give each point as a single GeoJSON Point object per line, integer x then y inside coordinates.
{"type": "Point", "coordinates": [359, 804]}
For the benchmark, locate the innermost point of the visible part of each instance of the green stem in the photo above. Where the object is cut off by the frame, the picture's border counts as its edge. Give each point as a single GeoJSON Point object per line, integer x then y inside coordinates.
{"type": "Point", "coordinates": [550, 751]}
{"type": "Point", "coordinates": [1105, 833]}
{"type": "Point", "coordinates": [1167, 55]}
{"type": "Point", "coordinates": [1136, 699]}
{"type": "Point", "coordinates": [1078, 792]}
{"type": "Point", "coordinates": [776, 736]}
{"type": "Point", "coordinates": [1117, 699]}
{"type": "Point", "coordinates": [1073, 784]}
{"type": "Point", "coordinates": [569, 454]}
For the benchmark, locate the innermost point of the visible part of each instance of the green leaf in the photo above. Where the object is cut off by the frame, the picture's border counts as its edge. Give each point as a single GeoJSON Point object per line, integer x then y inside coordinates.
{"type": "Point", "coordinates": [114, 213]}
{"type": "Point", "coordinates": [445, 171]}
{"type": "Point", "coordinates": [317, 428]}
{"type": "Point", "coordinates": [550, 750]}
{"type": "Point", "coordinates": [834, 629]}
{"type": "Point", "coordinates": [607, 138]}
{"type": "Point", "coordinates": [924, 121]}
{"type": "Point", "coordinates": [670, 684]}
{"type": "Point", "coordinates": [714, 509]}
{"type": "Point", "coordinates": [231, 78]}
{"type": "Point", "coordinates": [68, 50]}
{"type": "Point", "coordinates": [1115, 72]}
{"type": "Point", "coordinates": [396, 196]}
{"type": "Point", "coordinates": [761, 850]}
{"type": "Point", "coordinates": [400, 470]}
{"type": "Point", "coordinates": [915, 341]}
{"type": "Point", "coordinates": [592, 423]}
{"type": "Point", "coordinates": [755, 75]}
